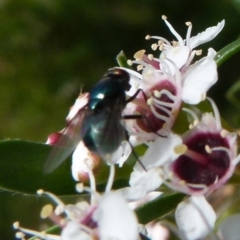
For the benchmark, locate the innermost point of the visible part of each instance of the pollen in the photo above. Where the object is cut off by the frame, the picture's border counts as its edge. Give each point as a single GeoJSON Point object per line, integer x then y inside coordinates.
{"type": "Point", "coordinates": [182, 182]}
{"type": "Point", "coordinates": [140, 67]}
{"type": "Point", "coordinates": [20, 235]}
{"type": "Point", "coordinates": [40, 192]}
{"type": "Point", "coordinates": [79, 187]}
{"type": "Point", "coordinates": [154, 46]}
{"type": "Point", "coordinates": [223, 133]}
{"type": "Point", "coordinates": [195, 122]}
{"type": "Point", "coordinates": [180, 149]}
{"type": "Point", "coordinates": [150, 101]}
{"type": "Point", "coordinates": [47, 210]}
{"type": "Point", "coordinates": [208, 149]}
{"type": "Point", "coordinates": [161, 47]}
{"type": "Point", "coordinates": [139, 55]}
{"type": "Point", "coordinates": [198, 52]}
{"type": "Point", "coordinates": [16, 225]}
{"type": "Point", "coordinates": [129, 62]}
{"type": "Point", "coordinates": [164, 17]}
{"type": "Point", "coordinates": [188, 23]}
{"type": "Point", "coordinates": [148, 37]}
{"type": "Point", "coordinates": [157, 94]}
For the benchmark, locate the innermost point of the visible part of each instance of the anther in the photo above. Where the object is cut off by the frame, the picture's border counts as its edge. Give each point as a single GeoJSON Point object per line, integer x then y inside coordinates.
{"type": "Point", "coordinates": [154, 46]}
{"type": "Point", "coordinates": [208, 149]}
{"type": "Point", "coordinates": [150, 101]}
{"type": "Point", "coordinates": [148, 37]}
{"type": "Point", "coordinates": [198, 52]}
{"type": "Point", "coordinates": [40, 192]}
{"type": "Point", "coordinates": [79, 187]}
{"type": "Point", "coordinates": [47, 210]}
{"type": "Point", "coordinates": [180, 149]}
{"type": "Point", "coordinates": [157, 93]}
{"type": "Point", "coordinates": [139, 54]}
{"type": "Point", "coordinates": [20, 235]}
{"type": "Point", "coordinates": [140, 67]}
{"type": "Point", "coordinates": [188, 23]}
{"type": "Point", "coordinates": [223, 133]}
{"type": "Point", "coordinates": [164, 17]}
{"type": "Point", "coordinates": [16, 225]}
{"type": "Point", "coordinates": [129, 62]}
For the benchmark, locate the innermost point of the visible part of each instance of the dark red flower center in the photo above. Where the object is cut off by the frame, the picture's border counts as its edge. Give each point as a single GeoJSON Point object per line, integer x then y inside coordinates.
{"type": "Point", "coordinates": [150, 122]}
{"type": "Point", "coordinates": [215, 164]}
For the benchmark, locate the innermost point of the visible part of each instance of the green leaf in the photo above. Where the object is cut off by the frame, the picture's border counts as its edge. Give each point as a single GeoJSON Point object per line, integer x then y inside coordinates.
{"type": "Point", "coordinates": [227, 52]}
{"type": "Point", "coordinates": [122, 60]}
{"type": "Point", "coordinates": [52, 230]}
{"type": "Point", "coordinates": [22, 170]}
{"type": "Point", "coordinates": [158, 207]}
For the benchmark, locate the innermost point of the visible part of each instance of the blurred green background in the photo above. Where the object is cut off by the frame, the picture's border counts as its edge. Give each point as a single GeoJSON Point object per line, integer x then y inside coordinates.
{"type": "Point", "coordinates": [50, 49]}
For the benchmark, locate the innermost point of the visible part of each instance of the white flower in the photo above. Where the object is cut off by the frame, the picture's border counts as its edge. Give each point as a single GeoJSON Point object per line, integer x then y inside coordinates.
{"type": "Point", "coordinates": [195, 218]}
{"type": "Point", "coordinates": [181, 52]}
{"type": "Point", "coordinates": [198, 78]}
{"type": "Point", "coordinates": [207, 157]}
{"type": "Point", "coordinates": [107, 216]}
{"type": "Point", "coordinates": [143, 181]}
{"type": "Point", "coordinates": [115, 219]}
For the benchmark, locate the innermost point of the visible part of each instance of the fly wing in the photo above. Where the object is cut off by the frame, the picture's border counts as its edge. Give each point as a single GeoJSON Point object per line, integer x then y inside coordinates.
{"type": "Point", "coordinates": [111, 132]}
{"type": "Point", "coordinates": [67, 142]}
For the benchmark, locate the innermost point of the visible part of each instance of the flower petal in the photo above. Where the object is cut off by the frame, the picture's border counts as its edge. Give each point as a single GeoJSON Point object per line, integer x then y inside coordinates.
{"type": "Point", "coordinates": [199, 78]}
{"type": "Point", "coordinates": [195, 218]}
{"type": "Point", "coordinates": [179, 55]}
{"type": "Point", "coordinates": [142, 182]}
{"type": "Point", "coordinates": [115, 219]}
{"type": "Point", "coordinates": [161, 151]}
{"type": "Point", "coordinates": [206, 35]}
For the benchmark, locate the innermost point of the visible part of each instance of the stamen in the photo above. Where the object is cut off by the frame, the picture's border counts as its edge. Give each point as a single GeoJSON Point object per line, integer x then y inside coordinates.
{"type": "Point", "coordinates": [216, 114]}
{"type": "Point", "coordinates": [51, 196]}
{"type": "Point", "coordinates": [189, 24]}
{"type": "Point", "coordinates": [164, 118]}
{"type": "Point", "coordinates": [196, 157]}
{"type": "Point", "coordinates": [223, 149]}
{"type": "Point", "coordinates": [166, 110]}
{"type": "Point", "coordinates": [180, 40]}
{"type": "Point", "coordinates": [199, 186]}
{"type": "Point", "coordinates": [162, 103]}
{"type": "Point", "coordinates": [193, 115]}
{"type": "Point", "coordinates": [110, 178]}
{"type": "Point", "coordinates": [42, 235]}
